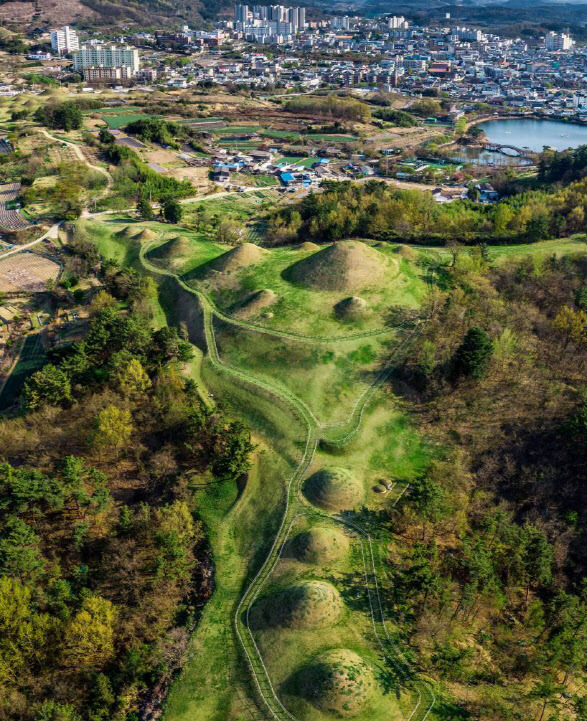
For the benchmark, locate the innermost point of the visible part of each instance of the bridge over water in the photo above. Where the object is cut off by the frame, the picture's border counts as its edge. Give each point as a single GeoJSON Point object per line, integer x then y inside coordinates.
{"type": "Point", "coordinates": [502, 147]}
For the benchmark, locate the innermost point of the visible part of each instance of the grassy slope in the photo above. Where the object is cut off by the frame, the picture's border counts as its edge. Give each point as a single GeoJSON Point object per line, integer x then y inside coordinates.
{"type": "Point", "coordinates": [327, 377]}
{"type": "Point", "coordinates": [214, 684]}
{"type": "Point", "coordinates": [32, 357]}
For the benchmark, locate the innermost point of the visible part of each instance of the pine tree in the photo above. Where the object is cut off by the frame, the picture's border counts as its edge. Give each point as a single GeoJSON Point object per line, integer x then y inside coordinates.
{"type": "Point", "coordinates": [473, 355]}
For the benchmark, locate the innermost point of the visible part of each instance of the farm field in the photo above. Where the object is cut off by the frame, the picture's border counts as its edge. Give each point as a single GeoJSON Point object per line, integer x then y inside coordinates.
{"type": "Point", "coordinates": [118, 121]}
{"type": "Point", "coordinates": [26, 271]}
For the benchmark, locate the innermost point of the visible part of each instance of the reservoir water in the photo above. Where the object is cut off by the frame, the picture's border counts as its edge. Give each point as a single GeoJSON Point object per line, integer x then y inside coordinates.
{"type": "Point", "coordinates": [535, 134]}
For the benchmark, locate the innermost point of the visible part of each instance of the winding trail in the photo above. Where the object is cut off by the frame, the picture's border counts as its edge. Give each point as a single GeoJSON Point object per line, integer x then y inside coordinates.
{"type": "Point", "coordinates": [82, 158]}
{"type": "Point", "coordinates": [296, 506]}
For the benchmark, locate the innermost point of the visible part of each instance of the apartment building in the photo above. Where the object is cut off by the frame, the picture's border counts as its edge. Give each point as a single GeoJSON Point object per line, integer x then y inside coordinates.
{"type": "Point", "coordinates": [64, 40]}
{"type": "Point", "coordinates": [107, 56]}
{"type": "Point", "coordinates": [558, 41]}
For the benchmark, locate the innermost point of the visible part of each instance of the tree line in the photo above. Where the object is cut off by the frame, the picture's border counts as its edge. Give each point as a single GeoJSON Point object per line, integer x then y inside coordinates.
{"type": "Point", "coordinates": [377, 210]}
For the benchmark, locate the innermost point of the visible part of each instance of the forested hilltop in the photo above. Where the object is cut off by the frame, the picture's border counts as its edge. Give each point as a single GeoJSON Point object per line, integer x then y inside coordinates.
{"type": "Point", "coordinates": [144, 13]}
{"type": "Point", "coordinates": [104, 564]}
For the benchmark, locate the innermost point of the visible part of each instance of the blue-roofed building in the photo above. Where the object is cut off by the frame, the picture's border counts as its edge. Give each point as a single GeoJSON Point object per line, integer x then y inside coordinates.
{"type": "Point", "coordinates": [287, 179]}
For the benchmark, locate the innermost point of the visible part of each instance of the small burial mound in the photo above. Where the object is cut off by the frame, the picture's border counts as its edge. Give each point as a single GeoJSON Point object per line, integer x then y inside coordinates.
{"type": "Point", "coordinates": [312, 604]}
{"type": "Point", "coordinates": [240, 257]}
{"type": "Point", "coordinates": [334, 489]}
{"type": "Point", "coordinates": [320, 545]}
{"type": "Point", "coordinates": [308, 245]}
{"type": "Point", "coordinates": [338, 682]}
{"type": "Point", "coordinates": [255, 303]}
{"type": "Point", "coordinates": [347, 265]}
{"type": "Point", "coordinates": [351, 308]}
{"type": "Point", "coordinates": [404, 251]}
{"type": "Point", "coordinates": [128, 232]}
{"type": "Point", "coordinates": [174, 247]}
{"type": "Point", "coordinates": [146, 234]}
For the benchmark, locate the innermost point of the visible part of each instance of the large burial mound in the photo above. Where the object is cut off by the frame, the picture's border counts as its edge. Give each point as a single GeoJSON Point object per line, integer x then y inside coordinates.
{"type": "Point", "coordinates": [334, 489]}
{"type": "Point", "coordinates": [312, 604]}
{"type": "Point", "coordinates": [344, 266]}
{"type": "Point", "coordinates": [320, 545]}
{"type": "Point", "coordinates": [351, 308]}
{"type": "Point", "coordinates": [240, 257]}
{"type": "Point", "coordinates": [404, 251]}
{"type": "Point", "coordinates": [255, 303]}
{"type": "Point", "coordinates": [338, 682]}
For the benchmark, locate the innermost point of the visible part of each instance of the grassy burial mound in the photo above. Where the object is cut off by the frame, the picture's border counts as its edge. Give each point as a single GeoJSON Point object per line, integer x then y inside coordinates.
{"type": "Point", "coordinates": [320, 545]}
{"type": "Point", "coordinates": [308, 605]}
{"type": "Point", "coordinates": [255, 304]}
{"type": "Point", "coordinates": [241, 257]}
{"type": "Point", "coordinates": [334, 489]}
{"type": "Point", "coordinates": [404, 251]}
{"type": "Point", "coordinates": [353, 308]}
{"type": "Point", "coordinates": [128, 232]}
{"type": "Point", "coordinates": [338, 682]}
{"type": "Point", "coordinates": [308, 245]}
{"type": "Point", "coordinates": [348, 265]}
{"type": "Point", "coordinates": [172, 250]}
{"type": "Point", "coordinates": [146, 234]}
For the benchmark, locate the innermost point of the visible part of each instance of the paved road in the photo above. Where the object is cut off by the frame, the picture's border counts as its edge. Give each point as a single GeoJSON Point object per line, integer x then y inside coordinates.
{"type": "Point", "coordinates": [51, 233]}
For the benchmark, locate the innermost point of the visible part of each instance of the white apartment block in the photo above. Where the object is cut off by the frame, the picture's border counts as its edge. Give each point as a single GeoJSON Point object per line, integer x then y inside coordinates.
{"type": "Point", "coordinates": [261, 16]}
{"type": "Point", "coordinates": [64, 40]}
{"type": "Point", "coordinates": [558, 41]}
{"type": "Point", "coordinates": [397, 23]}
{"type": "Point", "coordinates": [107, 56]}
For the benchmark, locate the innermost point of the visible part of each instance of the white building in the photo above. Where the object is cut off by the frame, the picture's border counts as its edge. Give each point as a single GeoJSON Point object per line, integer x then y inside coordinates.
{"type": "Point", "coordinates": [558, 41]}
{"type": "Point", "coordinates": [262, 16]}
{"type": "Point", "coordinates": [340, 23]}
{"type": "Point", "coordinates": [64, 40]}
{"type": "Point", "coordinates": [397, 23]}
{"type": "Point", "coordinates": [107, 56]}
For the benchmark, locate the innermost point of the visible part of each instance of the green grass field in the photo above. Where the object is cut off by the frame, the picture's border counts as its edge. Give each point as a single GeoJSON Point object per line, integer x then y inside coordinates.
{"type": "Point", "coordinates": [215, 684]}
{"type": "Point", "coordinates": [328, 377]}
{"type": "Point", "coordinates": [32, 358]}
{"type": "Point", "coordinates": [299, 161]}
{"type": "Point", "coordinates": [238, 130]}
{"type": "Point", "coordinates": [573, 245]}
{"type": "Point", "coordinates": [118, 121]}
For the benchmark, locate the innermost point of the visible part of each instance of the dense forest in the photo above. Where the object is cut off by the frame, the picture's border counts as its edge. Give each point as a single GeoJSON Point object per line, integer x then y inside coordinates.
{"type": "Point", "coordinates": [103, 561]}
{"type": "Point", "coordinates": [488, 571]}
{"type": "Point", "coordinates": [380, 211]}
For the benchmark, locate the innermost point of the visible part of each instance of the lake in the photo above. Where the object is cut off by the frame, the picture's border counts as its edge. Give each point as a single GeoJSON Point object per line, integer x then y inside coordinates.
{"type": "Point", "coordinates": [535, 134]}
